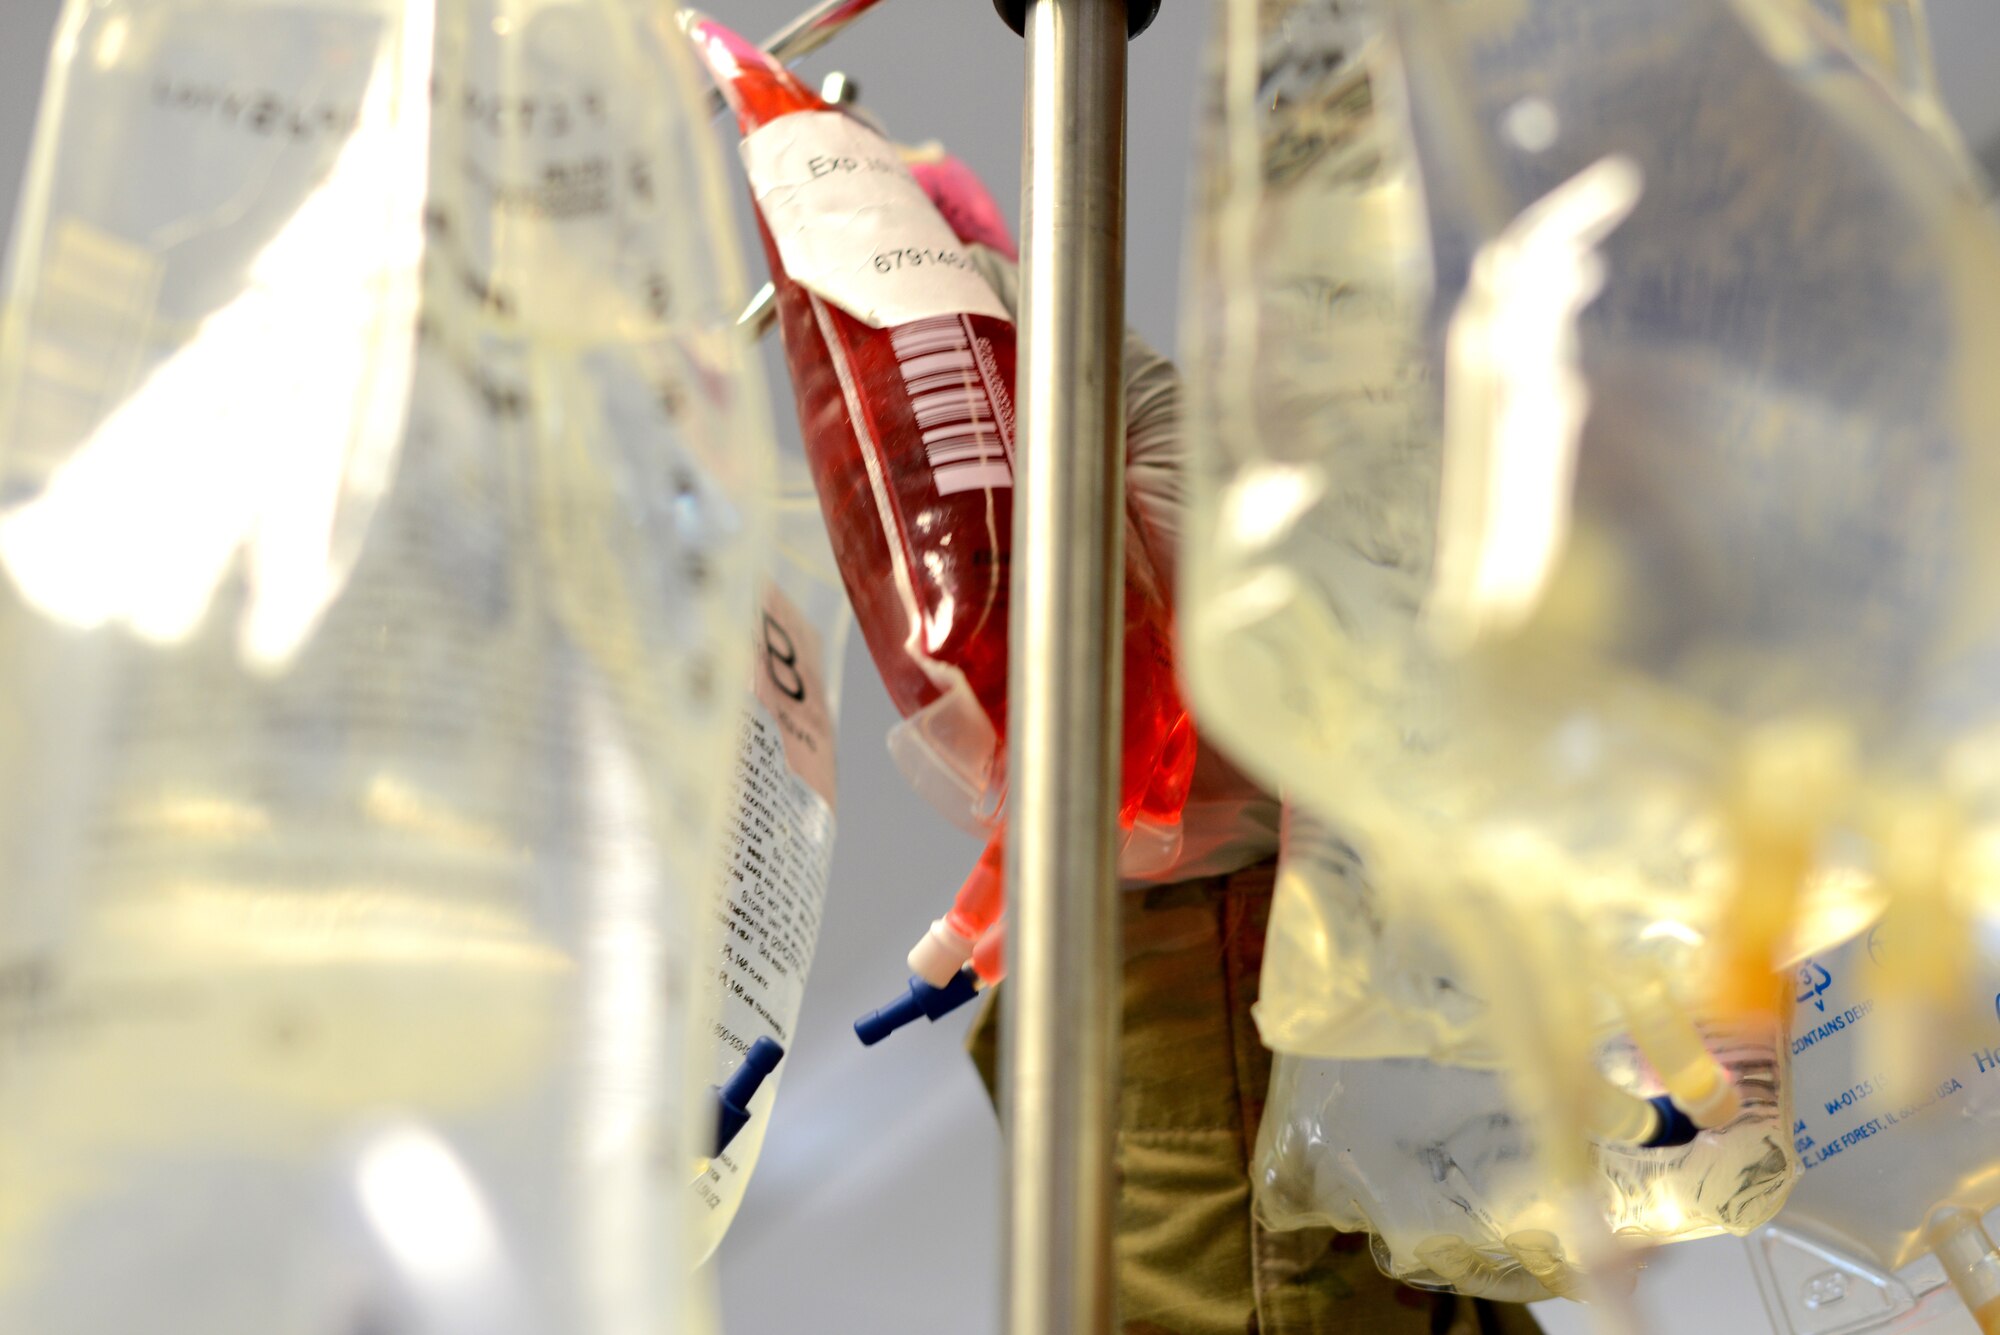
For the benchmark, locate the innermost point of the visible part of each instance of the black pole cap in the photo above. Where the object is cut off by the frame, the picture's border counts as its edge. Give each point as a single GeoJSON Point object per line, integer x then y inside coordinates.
{"type": "Point", "coordinates": [1139, 14]}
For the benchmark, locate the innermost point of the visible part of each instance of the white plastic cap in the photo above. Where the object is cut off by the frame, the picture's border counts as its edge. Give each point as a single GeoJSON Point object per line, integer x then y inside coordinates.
{"type": "Point", "coordinates": [941, 953]}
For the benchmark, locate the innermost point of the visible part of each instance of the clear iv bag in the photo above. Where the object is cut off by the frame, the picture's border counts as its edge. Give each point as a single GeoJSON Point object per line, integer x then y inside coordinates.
{"type": "Point", "coordinates": [1436, 1157]}
{"type": "Point", "coordinates": [1877, 1160]}
{"type": "Point", "coordinates": [380, 508]}
{"type": "Point", "coordinates": [1433, 1162]}
{"type": "Point", "coordinates": [1592, 504]}
{"type": "Point", "coordinates": [778, 829]}
{"type": "Point", "coordinates": [1897, 1173]}
{"type": "Point", "coordinates": [1894, 37]}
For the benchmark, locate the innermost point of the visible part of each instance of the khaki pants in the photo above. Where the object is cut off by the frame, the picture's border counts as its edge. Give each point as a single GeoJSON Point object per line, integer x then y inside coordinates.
{"type": "Point", "coordinates": [1191, 1259]}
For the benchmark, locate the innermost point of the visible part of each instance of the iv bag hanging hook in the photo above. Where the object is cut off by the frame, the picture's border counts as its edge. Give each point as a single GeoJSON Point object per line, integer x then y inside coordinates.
{"type": "Point", "coordinates": [790, 44]}
{"type": "Point", "coordinates": [760, 316]}
{"type": "Point", "coordinates": [804, 35]}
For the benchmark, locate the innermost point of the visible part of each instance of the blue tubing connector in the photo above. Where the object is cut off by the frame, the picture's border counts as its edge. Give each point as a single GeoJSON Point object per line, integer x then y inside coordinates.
{"type": "Point", "coordinates": [733, 1099]}
{"type": "Point", "coordinates": [1674, 1128]}
{"type": "Point", "coordinates": [921, 1002]}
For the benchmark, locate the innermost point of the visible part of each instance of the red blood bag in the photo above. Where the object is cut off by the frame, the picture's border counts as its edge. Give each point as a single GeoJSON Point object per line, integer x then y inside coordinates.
{"type": "Point", "coordinates": [902, 361]}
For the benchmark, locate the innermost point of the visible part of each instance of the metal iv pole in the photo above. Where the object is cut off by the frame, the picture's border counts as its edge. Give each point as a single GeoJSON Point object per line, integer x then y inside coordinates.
{"type": "Point", "coordinates": [1060, 1006]}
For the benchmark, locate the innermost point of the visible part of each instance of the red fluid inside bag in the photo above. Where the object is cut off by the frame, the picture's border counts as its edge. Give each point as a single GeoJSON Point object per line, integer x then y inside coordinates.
{"type": "Point", "coordinates": [909, 434]}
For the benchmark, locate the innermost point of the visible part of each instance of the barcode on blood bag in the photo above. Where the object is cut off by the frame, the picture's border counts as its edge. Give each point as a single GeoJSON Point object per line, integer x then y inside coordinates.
{"type": "Point", "coordinates": [949, 397]}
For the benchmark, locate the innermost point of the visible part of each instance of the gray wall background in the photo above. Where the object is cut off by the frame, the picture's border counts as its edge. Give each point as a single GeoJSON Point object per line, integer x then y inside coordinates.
{"type": "Point", "coordinates": [876, 1208]}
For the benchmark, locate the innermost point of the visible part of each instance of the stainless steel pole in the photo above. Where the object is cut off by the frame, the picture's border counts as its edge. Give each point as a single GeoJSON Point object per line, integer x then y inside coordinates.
{"type": "Point", "coordinates": [1059, 1059]}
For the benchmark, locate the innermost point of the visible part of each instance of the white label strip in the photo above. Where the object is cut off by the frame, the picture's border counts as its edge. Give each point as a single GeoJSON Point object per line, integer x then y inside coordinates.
{"type": "Point", "coordinates": [852, 225]}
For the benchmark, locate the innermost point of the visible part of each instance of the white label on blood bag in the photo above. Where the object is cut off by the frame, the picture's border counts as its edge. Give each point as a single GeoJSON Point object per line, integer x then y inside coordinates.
{"type": "Point", "coordinates": [851, 224]}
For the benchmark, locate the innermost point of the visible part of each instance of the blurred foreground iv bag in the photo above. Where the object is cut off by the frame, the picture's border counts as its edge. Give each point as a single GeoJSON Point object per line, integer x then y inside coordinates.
{"type": "Point", "coordinates": [380, 514]}
{"type": "Point", "coordinates": [1594, 463]}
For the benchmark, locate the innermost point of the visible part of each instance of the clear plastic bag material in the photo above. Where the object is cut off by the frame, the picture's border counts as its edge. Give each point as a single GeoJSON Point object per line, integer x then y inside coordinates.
{"type": "Point", "coordinates": [1431, 1160]}
{"type": "Point", "coordinates": [1811, 1286]}
{"type": "Point", "coordinates": [1884, 1149]}
{"type": "Point", "coordinates": [1445, 1161]}
{"type": "Point", "coordinates": [381, 503]}
{"type": "Point", "coordinates": [1894, 36]}
{"type": "Point", "coordinates": [1895, 1127]}
{"type": "Point", "coordinates": [1593, 461]}
{"type": "Point", "coordinates": [902, 361]}
{"type": "Point", "coordinates": [779, 829]}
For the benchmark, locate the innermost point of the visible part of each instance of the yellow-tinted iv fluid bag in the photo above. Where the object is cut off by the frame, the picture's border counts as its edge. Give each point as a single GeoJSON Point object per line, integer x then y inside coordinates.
{"type": "Point", "coordinates": [1594, 463]}
{"type": "Point", "coordinates": [381, 506]}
